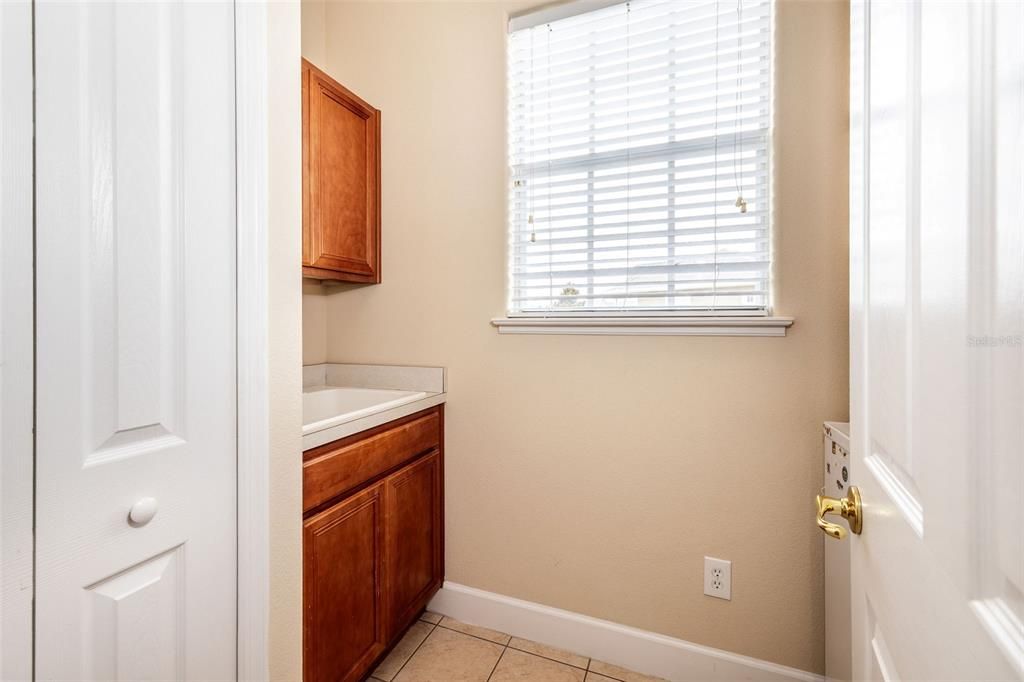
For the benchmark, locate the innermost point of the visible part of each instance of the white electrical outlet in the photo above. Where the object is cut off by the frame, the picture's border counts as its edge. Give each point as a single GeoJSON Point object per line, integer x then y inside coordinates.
{"type": "Point", "coordinates": [717, 578]}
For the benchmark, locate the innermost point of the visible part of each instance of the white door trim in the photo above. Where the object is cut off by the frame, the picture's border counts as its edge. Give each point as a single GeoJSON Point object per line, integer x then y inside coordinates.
{"type": "Point", "coordinates": [16, 340]}
{"type": "Point", "coordinates": [252, 346]}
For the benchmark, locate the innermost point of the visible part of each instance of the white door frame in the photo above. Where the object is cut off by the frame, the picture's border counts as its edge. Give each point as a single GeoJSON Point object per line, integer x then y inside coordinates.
{"type": "Point", "coordinates": [251, 140]}
{"type": "Point", "coordinates": [16, 340]}
{"type": "Point", "coordinates": [251, 345]}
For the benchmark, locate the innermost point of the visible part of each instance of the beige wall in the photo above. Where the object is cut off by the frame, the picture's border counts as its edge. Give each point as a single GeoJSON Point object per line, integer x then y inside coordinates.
{"type": "Point", "coordinates": [314, 30]}
{"type": "Point", "coordinates": [314, 323]}
{"type": "Point", "coordinates": [314, 307]}
{"type": "Point", "coordinates": [594, 473]}
{"type": "Point", "coordinates": [284, 212]}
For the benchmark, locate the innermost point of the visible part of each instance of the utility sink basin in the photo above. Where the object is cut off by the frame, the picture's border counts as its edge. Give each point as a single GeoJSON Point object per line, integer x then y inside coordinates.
{"type": "Point", "coordinates": [327, 406]}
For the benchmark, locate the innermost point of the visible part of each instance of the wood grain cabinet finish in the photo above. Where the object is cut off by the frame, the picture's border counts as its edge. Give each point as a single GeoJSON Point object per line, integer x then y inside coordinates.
{"type": "Point", "coordinates": [412, 538]}
{"type": "Point", "coordinates": [373, 542]}
{"type": "Point", "coordinates": [345, 628]}
{"type": "Point", "coordinates": [340, 181]}
{"type": "Point", "coordinates": [333, 469]}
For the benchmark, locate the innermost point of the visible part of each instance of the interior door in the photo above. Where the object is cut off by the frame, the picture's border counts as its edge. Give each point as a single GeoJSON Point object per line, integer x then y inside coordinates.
{"type": "Point", "coordinates": [937, 359]}
{"type": "Point", "coordinates": [135, 354]}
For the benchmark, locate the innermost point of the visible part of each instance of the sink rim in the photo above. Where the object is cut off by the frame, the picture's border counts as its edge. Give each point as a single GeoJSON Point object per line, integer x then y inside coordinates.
{"type": "Point", "coordinates": [393, 398]}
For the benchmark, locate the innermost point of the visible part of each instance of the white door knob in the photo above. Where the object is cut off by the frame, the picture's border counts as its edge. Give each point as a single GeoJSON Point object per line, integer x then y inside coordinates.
{"type": "Point", "coordinates": [142, 512]}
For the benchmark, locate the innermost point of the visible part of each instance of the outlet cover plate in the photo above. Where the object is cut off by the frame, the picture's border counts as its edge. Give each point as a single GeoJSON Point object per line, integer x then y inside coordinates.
{"type": "Point", "coordinates": [718, 578]}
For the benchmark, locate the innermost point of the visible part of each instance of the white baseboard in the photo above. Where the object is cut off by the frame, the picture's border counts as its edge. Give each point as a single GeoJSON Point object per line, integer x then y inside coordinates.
{"type": "Point", "coordinates": [639, 650]}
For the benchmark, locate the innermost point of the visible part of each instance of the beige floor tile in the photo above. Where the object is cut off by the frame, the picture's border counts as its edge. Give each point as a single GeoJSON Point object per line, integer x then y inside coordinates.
{"type": "Point", "coordinates": [475, 630]}
{"type": "Point", "coordinates": [431, 617]}
{"type": "Point", "coordinates": [448, 656]}
{"type": "Point", "coordinates": [390, 666]}
{"type": "Point", "coordinates": [517, 665]}
{"type": "Point", "coordinates": [617, 673]}
{"type": "Point", "coordinates": [560, 655]}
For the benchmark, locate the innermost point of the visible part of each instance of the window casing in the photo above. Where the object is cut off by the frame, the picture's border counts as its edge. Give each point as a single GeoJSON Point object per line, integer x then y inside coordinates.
{"type": "Point", "coordinates": [639, 144]}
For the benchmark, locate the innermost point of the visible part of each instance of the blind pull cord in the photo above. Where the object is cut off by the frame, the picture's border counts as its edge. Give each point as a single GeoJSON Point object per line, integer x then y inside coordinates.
{"type": "Point", "coordinates": [741, 203]}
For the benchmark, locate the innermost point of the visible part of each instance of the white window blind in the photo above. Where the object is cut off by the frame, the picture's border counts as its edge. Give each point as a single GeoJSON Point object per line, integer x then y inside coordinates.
{"type": "Point", "coordinates": [639, 144]}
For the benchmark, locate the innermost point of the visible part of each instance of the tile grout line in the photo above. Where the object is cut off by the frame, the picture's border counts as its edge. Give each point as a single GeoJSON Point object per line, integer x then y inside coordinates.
{"type": "Point", "coordinates": [509, 646]}
{"type": "Point", "coordinates": [506, 647]}
{"type": "Point", "coordinates": [416, 650]}
{"type": "Point", "coordinates": [548, 658]}
{"type": "Point", "coordinates": [482, 639]}
{"type": "Point", "coordinates": [601, 674]}
{"type": "Point", "coordinates": [501, 656]}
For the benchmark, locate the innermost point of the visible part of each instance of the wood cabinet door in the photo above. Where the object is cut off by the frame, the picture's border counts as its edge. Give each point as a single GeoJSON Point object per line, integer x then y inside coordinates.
{"type": "Point", "coordinates": [413, 537]}
{"type": "Point", "coordinates": [344, 628]}
{"type": "Point", "coordinates": [340, 181]}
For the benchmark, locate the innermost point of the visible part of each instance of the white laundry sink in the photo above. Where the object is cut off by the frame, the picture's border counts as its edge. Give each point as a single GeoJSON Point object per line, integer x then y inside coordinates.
{"type": "Point", "coordinates": [327, 406]}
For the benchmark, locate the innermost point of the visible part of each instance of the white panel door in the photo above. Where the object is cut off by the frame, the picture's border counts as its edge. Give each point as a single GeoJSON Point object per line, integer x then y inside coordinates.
{"type": "Point", "coordinates": [937, 354]}
{"type": "Point", "coordinates": [135, 273]}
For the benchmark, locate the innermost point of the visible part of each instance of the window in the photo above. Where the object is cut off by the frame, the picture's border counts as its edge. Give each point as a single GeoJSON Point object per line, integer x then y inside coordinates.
{"type": "Point", "coordinates": [639, 152]}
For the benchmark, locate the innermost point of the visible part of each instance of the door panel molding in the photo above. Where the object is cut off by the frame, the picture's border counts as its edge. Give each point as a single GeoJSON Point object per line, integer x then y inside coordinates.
{"type": "Point", "coordinates": [119, 604]}
{"type": "Point", "coordinates": [936, 368]}
{"type": "Point", "coordinates": [16, 339]}
{"type": "Point", "coordinates": [136, 335]}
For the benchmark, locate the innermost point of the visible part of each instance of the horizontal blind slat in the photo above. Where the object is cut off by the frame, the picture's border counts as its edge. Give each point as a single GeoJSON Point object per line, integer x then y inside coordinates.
{"type": "Point", "coordinates": [630, 273]}
{"type": "Point", "coordinates": [528, 205]}
{"type": "Point", "coordinates": [679, 84]}
{"type": "Point", "coordinates": [668, 114]}
{"type": "Point", "coordinates": [642, 17]}
{"type": "Point", "coordinates": [566, 150]}
{"type": "Point", "coordinates": [720, 239]}
{"type": "Point", "coordinates": [642, 222]}
{"type": "Point", "coordinates": [650, 33]}
{"type": "Point", "coordinates": [627, 212]}
{"type": "Point", "coordinates": [542, 80]}
{"type": "Point", "coordinates": [748, 95]}
{"type": "Point", "coordinates": [646, 154]}
{"type": "Point", "coordinates": [737, 289]}
{"type": "Point", "coordinates": [532, 179]}
{"type": "Point", "coordinates": [650, 234]}
{"type": "Point", "coordinates": [585, 19]}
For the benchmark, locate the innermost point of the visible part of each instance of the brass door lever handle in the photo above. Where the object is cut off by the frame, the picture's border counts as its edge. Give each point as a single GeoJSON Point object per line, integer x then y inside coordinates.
{"type": "Point", "coordinates": [848, 507]}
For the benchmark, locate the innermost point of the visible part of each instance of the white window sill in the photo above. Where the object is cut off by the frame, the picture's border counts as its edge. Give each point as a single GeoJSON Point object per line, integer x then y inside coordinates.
{"type": "Point", "coordinates": [645, 326]}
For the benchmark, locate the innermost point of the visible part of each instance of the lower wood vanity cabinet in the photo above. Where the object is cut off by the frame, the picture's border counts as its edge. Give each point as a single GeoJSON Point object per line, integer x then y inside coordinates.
{"type": "Point", "coordinates": [344, 629]}
{"type": "Point", "coordinates": [373, 545]}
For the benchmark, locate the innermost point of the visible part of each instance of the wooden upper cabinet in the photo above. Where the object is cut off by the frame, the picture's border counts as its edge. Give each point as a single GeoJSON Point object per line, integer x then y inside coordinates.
{"type": "Point", "coordinates": [340, 182]}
